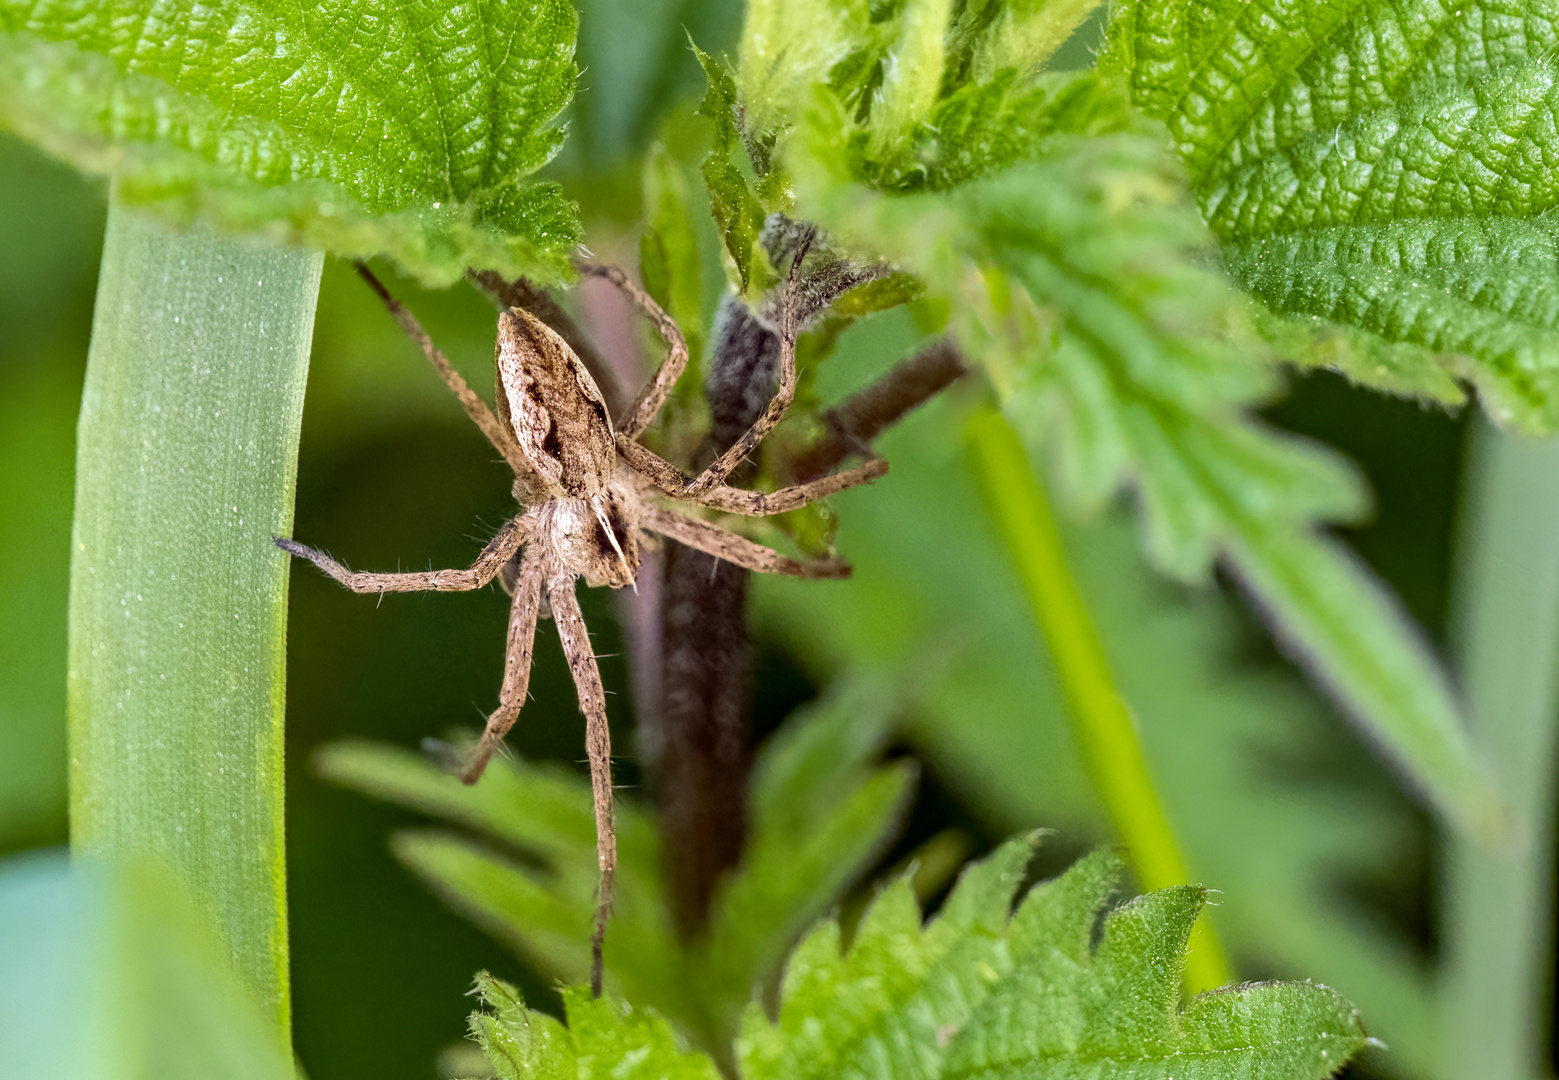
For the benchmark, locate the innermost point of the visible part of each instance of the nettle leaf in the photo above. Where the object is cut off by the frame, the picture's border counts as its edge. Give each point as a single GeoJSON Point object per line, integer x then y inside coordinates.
{"type": "Point", "coordinates": [1381, 178]}
{"type": "Point", "coordinates": [409, 132]}
{"type": "Point", "coordinates": [1050, 220]}
{"type": "Point", "coordinates": [972, 992]}
{"type": "Point", "coordinates": [820, 811]}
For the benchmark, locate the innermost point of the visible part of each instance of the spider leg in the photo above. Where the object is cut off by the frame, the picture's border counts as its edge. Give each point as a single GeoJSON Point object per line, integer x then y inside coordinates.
{"type": "Point", "coordinates": [738, 550]}
{"type": "Point", "coordinates": [498, 551]}
{"type": "Point", "coordinates": [503, 440]}
{"type": "Point", "coordinates": [516, 663]}
{"type": "Point", "coordinates": [674, 482]}
{"type": "Point", "coordinates": [598, 743]}
{"type": "Point", "coordinates": [641, 414]}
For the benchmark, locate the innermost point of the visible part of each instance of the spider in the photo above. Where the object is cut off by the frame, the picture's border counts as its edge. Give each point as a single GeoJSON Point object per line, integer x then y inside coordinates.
{"type": "Point", "coordinates": [590, 491]}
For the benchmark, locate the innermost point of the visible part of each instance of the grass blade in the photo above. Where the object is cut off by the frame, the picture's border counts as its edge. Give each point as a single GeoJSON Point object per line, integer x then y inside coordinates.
{"type": "Point", "coordinates": [187, 457]}
{"type": "Point", "coordinates": [1494, 1007]}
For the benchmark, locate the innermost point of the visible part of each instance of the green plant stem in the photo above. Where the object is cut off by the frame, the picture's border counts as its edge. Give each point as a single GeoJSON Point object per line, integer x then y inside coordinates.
{"type": "Point", "coordinates": [186, 463]}
{"type": "Point", "coordinates": [1497, 921]}
{"type": "Point", "coordinates": [1102, 722]}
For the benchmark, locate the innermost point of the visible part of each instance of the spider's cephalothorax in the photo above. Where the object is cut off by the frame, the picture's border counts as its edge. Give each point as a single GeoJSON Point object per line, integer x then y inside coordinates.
{"type": "Point", "coordinates": [590, 493]}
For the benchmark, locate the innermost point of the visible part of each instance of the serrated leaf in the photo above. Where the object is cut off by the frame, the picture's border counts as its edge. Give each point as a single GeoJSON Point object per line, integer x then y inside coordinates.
{"type": "Point", "coordinates": [1233, 744]}
{"type": "Point", "coordinates": [1386, 168]}
{"type": "Point", "coordinates": [519, 1043]}
{"type": "Point", "coordinates": [366, 131]}
{"type": "Point", "coordinates": [603, 1039]}
{"type": "Point", "coordinates": [988, 36]}
{"type": "Point", "coordinates": [912, 80]}
{"type": "Point", "coordinates": [970, 994]}
{"type": "Point", "coordinates": [973, 992]}
{"type": "Point", "coordinates": [788, 46]}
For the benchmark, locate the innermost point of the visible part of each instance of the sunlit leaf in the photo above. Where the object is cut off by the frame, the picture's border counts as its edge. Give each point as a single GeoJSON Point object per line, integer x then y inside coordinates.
{"type": "Point", "coordinates": [364, 130]}
{"type": "Point", "coordinates": [1383, 168]}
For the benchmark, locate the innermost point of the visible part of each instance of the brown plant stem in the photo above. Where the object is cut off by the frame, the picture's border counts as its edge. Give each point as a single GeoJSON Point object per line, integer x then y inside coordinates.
{"type": "Point", "coordinates": [858, 419]}
{"type": "Point", "coordinates": [701, 772]}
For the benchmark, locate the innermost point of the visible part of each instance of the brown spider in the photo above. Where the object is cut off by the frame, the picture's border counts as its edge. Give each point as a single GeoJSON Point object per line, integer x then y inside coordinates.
{"type": "Point", "coordinates": [590, 492]}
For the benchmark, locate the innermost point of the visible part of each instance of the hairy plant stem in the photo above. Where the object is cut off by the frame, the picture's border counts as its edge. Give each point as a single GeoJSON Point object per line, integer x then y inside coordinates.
{"type": "Point", "coordinates": [186, 463]}
{"type": "Point", "coordinates": [1102, 722]}
{"type": "Point", "coordinates": [1497, 924]}
{"type": "Point", "coordinates": [703, 738]}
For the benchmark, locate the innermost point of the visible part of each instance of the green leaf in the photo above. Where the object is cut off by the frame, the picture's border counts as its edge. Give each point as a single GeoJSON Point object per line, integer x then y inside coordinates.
{"type": "Point", "coordinates": [1073, 266]}
{"type": "Point", "coordinates": [971, 992]}
{"type": "Point", "coordinates": [988, 36]}
{"type": "Point", "coordinates": [788, 46]}
{"type": "Point", "coordinates": [820, 811]}
{"type": "Point", "coordinates": [913, 74]}
{"type": "Point", "coordinates": [603, 1039]}
{"type": "Point", "coordinates": [1387, 170]}
{"type": "Point", "coordinates": [969, 995]}
{"type": "Point", "coordinates": [354, 128]}
{"type": "Point", "coordinates": [519, 1043]}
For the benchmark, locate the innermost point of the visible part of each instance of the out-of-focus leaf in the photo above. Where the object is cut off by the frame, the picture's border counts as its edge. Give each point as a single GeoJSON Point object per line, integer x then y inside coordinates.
{"type": "Point", "coordinates": [936, 608]}
{"type": "Point", "coordinates": [634, 60]}
{"type": "Point", "coordinates": [1071, 261]}
{"type": "Point", "coordinates": [355, 128]}
{"type": "Point", "coordinates": [736, 211]}
{"type": "Point", "coordinates": [669, 252]}
{"type": "Point", "coordinates": [988, 36]}
{"type": "Point", "coordinates": [820, 811]}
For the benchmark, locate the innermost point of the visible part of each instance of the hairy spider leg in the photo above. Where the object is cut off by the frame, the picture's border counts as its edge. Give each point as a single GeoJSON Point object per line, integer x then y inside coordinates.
{"type": "Point", "coordinates": [517, 657]}
{"type": "Point", "coordinates": [652, 397]}
{"type": "Point", "coordinates": [499, 550]}
{"type": "Point", "coordinates": [734, 549]}
{"type": "Point", "coordinates": [500, 436]}
{"type": "Point", "coordinates": [721, 467]}
{"type": "Point", "coordinates": [598, 745]}
{"type": "Point", "coordinates": [676, 483]}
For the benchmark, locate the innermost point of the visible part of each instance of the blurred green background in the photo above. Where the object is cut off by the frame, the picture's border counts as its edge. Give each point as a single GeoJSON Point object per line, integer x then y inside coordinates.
{"type": "Point", "coordinates": [1326, 868]}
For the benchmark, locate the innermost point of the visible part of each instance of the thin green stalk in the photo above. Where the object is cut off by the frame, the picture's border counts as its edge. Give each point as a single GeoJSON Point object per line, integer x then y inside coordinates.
{"type": "Point", "coordinates": [1495, 997]}
{"type": "Point", "coordinates": [186, 462]}
{"type": "Point", "coordinates": [1101, 720]}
